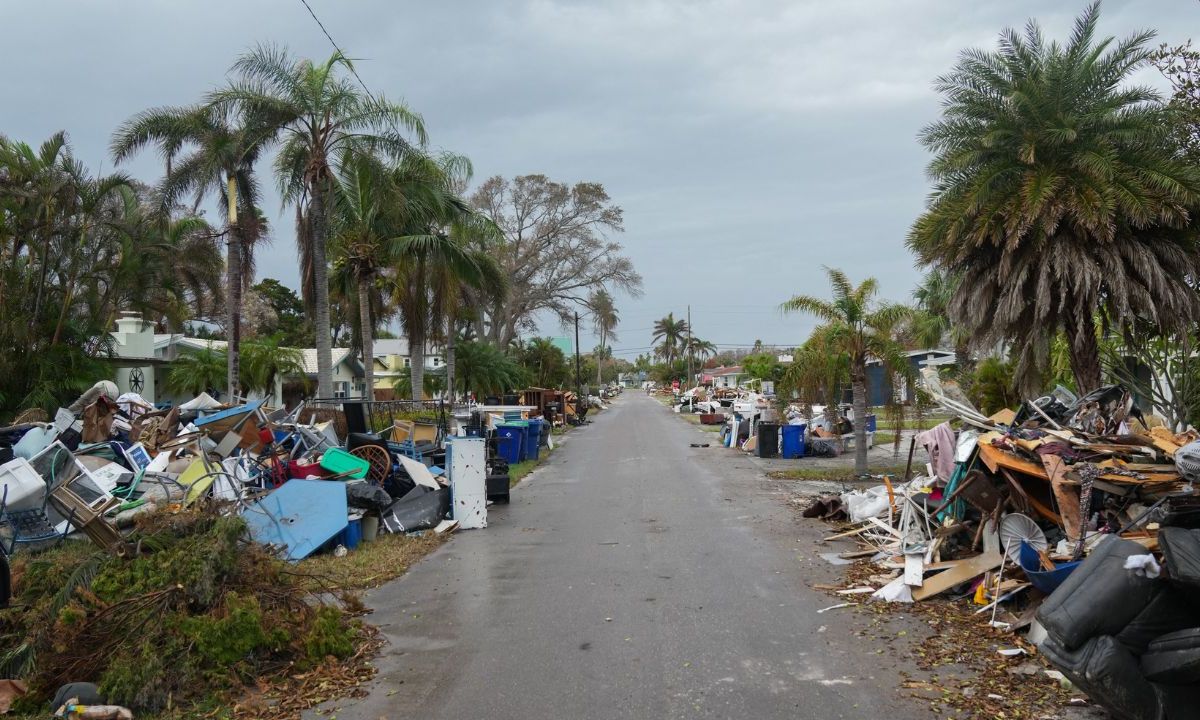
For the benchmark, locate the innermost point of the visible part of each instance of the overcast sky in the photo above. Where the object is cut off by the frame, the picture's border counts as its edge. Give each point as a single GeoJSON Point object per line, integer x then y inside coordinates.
{"type": "Point", "coordinates": [750, 142]}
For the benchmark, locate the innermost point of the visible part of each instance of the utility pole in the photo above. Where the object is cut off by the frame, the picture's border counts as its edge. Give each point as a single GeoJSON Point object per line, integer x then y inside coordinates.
{"type": "Point", "coordinates": [578, 378]}
{"type": "Point", "coordinates": [690, 346]}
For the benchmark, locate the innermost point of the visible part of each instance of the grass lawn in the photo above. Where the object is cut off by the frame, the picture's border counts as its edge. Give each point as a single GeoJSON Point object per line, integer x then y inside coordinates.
{"type": "Point", "coordinates": [834, 474]}
{"type": "Point", "coordinates": [370, 564]}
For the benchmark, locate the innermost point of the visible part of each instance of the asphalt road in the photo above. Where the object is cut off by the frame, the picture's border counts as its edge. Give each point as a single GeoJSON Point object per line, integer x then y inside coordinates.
{"type": "Point", "coordinates": [631, 577]}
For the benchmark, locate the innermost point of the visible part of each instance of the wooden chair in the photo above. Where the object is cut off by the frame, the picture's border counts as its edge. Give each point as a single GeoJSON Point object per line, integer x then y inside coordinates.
{"type": "Point", "coordinates": [380, 461]}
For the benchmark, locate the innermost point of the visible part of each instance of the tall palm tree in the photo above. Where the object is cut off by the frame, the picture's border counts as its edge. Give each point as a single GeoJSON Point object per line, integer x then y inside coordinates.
{"type": "Point", "coordinates": [323, 120]}
{"type": "Point", "coordinates": [861, 328]}
{"type": "Point", "coordinates": [672, 333]}
{"type": "Point", "coordinates": [455, 284]}
{"type": "Point", "coordinates": [605, 318]}
{"type": "Point", "coordinates": [206, 151]}
{"type": "Point", "coordinates": [1057, 193]}
{"type": "Point", "coordinates": [364, 242]}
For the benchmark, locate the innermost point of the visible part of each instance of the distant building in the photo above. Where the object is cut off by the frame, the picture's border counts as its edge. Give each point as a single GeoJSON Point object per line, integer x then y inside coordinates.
{"type": "Point", "coordinates": [725, 377]}
{"type": "Point", "coordinates": [880, 387]}
{"type": "Point", "coordinates": [566, 344]}
{"type": "Point", "coordinates": [393, 365]}
{"type": "Point", "coordinates": [144, 358]}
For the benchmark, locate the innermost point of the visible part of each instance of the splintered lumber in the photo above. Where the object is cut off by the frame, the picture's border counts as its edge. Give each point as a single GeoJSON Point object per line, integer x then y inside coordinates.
{"type": "Point", "coordinates": [1066, 496]}
{"type": "Point", "coordinates": [1033, 502]}
{"type": "Point", "coordinates": [959, 573]}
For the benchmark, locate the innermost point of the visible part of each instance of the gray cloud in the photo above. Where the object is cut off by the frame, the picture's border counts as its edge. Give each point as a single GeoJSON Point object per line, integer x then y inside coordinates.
{"type": "Point", "coordinates": [750, 142]}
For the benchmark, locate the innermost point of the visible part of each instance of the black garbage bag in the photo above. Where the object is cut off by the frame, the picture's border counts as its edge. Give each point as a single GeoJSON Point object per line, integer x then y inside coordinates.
{"type": "Point", "coordinates": [822, 448]}
{"type": "Point", "coordinates": [1181, 551]}
{"type": "Point", "coordinates": [1174, 659]}
{"type": "Point", "coordinates": [366, 496]}
{"type": "Point", "coordinates": [399, 483]}
{"type": "Point", "coordinates": [1100, 597]}
{"type": "Point", "coordinates": [1109, 674]}
{"type": "Point", "coordinates": [421, 509]}
{"type": "Point", "coordinates": [1170, 611]}
{"type": "Point", "coordinates": [357, 440]}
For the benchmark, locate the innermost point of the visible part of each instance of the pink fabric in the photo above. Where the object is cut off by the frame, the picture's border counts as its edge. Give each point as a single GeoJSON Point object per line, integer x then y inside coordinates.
{"type": "Point", "coordinates": [939, 443]}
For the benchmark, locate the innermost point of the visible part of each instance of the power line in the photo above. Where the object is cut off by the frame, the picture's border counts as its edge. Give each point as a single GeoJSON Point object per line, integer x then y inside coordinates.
{"type": "Point", "coordinates": [339, 50]}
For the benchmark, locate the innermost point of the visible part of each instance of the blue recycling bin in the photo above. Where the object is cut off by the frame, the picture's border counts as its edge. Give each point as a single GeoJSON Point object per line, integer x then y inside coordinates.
{"type": "Point", "coordinates": [793, 441]}
{"type": "Point", "coordinates": [533, 433]}
{"type": "Point", "coordinates": [870, 423]}
{"type": "Point", "coordinates": [509, 439]}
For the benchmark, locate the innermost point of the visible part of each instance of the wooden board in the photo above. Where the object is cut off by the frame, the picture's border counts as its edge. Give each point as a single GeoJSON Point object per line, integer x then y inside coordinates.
{"type": "Point", "coordinates": [995, 458]}
{"type": "Point", "coordinates": [961, 572]}
{"type": "Point", "coordinates": [1004, 417]}
{"type": "Point", "coordinates": [914, 570]}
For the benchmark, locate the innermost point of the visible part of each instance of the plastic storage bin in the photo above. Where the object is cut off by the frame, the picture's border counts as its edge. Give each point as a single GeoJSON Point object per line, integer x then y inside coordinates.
{"type": "Point", "coordinates": [534, 434]}
{"type": "Point", "coordinates": [509, 439]}
{"type": "Point", "coordinates": [792, 444]}
{"type": "Point", "coordinates": [768, 440]}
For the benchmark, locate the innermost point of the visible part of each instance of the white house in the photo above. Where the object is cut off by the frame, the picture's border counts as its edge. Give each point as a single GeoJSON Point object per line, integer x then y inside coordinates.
{"type": "Point", "coordinates": [144, 361]}
{"type": "Point", "coordinates": [725, 377]}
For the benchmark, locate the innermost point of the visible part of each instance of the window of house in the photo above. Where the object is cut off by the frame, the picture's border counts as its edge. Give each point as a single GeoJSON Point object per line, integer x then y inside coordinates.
{"type": "Point", "coordinates": [341, 389]}
{"type": "Point", "coordinates": [407, 362]}
{"type": "Point", "coordinates": [437, 361]}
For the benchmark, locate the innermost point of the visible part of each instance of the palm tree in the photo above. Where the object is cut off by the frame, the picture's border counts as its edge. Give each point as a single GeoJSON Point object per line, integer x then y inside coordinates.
{"type": "Point", "coordinates": [197, 372]}
{"type": "Point", "coordinates": [323, 120]}
{"type": "Point", "coordinates": [862, 329]}
{"type": "Point", "coordinates": [931, 324]}
{"type": "Point", "coordinates": [267, 359]}
{"type": "Point", "coordinates": [364, 242]}
{"type": "Point", "coordinates": [1058, 193]}
{"type": "Point", "coordinates": [819, 370]}
{"type": "Point", "coordinates": [672, 333]}
{"type": "Point", "coordinates": [484, 369]}
{"type": "Point", "coordinates": [605, 318]}
{"type": "Point", "coordinates": [699, 348]}
{"type": "Point", "coordinates": [207, 152]}
{"type": "Point", "coordinates": [454, 284]}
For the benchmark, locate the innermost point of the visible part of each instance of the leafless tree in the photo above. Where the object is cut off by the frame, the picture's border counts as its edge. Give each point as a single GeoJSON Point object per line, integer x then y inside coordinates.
{"type": "Point", "coordinates": [557, 250]}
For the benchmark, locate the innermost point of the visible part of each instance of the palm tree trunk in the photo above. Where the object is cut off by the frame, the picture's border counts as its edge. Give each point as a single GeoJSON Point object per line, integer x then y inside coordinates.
{"type": "Point", "coordinates": [859, 388]}
{"type": "Point", "coordinates": [368, 334]}
{"type": "Point", "coordinates": [233, 310]}
{"type": "Point", "coordinates": [416, 354]}
{"type": "Point", "coordinates": [1084, 351]}
{"type": "Point", "coordinates": [319, 226]}
{"type": "Point", "coordinates": [450, 340]}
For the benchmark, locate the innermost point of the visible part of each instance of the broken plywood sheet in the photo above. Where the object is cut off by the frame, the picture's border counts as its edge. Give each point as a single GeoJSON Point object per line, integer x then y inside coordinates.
{"type": "Point", "coordinates": [995, 458]}
{"type": "Point", "coordinates": [961, 572]}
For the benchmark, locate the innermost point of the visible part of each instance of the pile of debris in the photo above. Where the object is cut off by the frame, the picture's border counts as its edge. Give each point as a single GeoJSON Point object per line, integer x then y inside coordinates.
{"type": "Point", "coordinates": [257, 486]}
{"type": "Point", "coordinates": [1072, 519]}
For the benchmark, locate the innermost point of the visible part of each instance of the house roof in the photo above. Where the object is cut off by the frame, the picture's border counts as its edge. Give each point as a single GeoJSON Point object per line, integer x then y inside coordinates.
{"type": "Point", "coordinates": [390, 346]}
{"type": "Point", "coordinates": [723, 371]}
{"type": "Point", "coordinates": [310, 358]}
